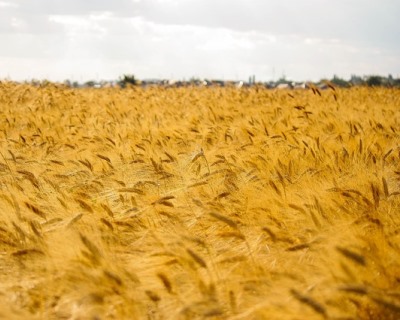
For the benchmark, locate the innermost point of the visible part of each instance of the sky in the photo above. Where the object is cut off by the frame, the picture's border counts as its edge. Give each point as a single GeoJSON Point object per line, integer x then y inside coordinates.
{"type": "Point", "coordinates": [83, 40]}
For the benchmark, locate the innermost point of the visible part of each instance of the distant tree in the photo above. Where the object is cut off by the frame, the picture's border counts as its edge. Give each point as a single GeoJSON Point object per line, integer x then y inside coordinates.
{"type": "Point", "coordinates": [127, 80]}
{"type": "Point", "coordinates": [390, 80]}
{"type": "Point", "coordinates": [396, 82]}
{"type": "Point", "coordinates": [374, 81]}
{"type": "Point", "coordinates": [45, 83]}
{"type": "Point", "coordinates": [340, 82]}
{"type": "Point", "coordinates": [90, 83]}
{"type": "Point", "coordinates": [283, 80]}
{"type": "Point", "coordinates": [67, 83]}
{"type": "Point", "coordinates": [356, 80]}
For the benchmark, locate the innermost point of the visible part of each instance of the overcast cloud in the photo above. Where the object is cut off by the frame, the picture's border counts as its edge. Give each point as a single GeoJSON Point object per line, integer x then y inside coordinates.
{"type": "Point", "coordinates": [229, 39]}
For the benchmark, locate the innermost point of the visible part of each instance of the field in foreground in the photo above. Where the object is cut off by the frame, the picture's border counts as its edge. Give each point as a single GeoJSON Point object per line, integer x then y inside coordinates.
{"type": "Point", "coordinates": [202, 203]}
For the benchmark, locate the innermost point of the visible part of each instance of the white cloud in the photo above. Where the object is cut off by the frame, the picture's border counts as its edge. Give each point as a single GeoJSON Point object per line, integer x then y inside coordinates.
{"type": "Point", "coordinates": [18, 23]}
{"type": "Point", "coordinates": [80, 26]}
{"type": "Point", "coordinates": [184, 38]}
{"type": "Point", "coordinates": [6, 4]}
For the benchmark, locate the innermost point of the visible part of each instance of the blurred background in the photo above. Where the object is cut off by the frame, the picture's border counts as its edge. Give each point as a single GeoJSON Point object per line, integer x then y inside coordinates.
{"type": "Point", "coordinates": [212, 39]}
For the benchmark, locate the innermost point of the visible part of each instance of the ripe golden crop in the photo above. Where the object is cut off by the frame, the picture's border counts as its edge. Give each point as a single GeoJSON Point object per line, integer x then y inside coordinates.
{"type": "Point", "coordinates": [199, 203]}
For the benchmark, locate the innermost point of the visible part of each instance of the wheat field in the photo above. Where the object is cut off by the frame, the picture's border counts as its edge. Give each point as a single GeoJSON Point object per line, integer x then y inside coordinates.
{"type": "Point", "coordinates": [199, 203]}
